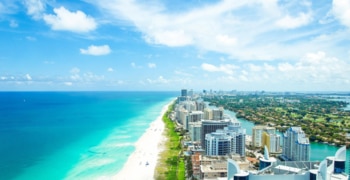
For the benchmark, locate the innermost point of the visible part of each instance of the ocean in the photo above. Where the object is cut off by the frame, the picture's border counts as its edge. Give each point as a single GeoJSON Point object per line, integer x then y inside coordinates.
{"type": "Point", "coordinates": [72, 135]}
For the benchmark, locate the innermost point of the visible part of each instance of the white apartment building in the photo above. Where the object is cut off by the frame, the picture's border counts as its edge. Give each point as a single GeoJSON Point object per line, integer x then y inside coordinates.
{"type": "Point", "coordinates": [208, 114]}
{"type": "Point", "coordinates": [225, 141]}
{"type": "Point", "coordinates": [194, 131]}
{"type": "Point", "coordinates": [273, 143]}
{"type": "Point", "coordinates": [193, 116]}
{"type": "Point", "coordinates": [258, 138]}
{"type": "Point", "coordinates": [296, 146]}
{"type": "Point", "coordinates": [218, 114]}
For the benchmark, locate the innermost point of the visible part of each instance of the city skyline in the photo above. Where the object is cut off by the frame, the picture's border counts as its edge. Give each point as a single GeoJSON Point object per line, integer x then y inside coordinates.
{"type": "Point", "coordinates": [163, 45]}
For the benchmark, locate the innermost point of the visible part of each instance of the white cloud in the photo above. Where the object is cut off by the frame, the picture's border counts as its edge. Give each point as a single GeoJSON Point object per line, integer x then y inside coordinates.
{"type": "Point", "coordinates": [70, 21]}
{"type": "Point", "coordinates": [84, 77]}
{"type": "Point", "coordinates": [243, 30]}
{"type": "Point", "coordinates": [183, 73]}
{"type": "Point", "coordinates": [285, 67]}
{"type": "Point", "coordinates": [315, 68]}
{"type": "Point", "coordinates": [35, 8]}
{"type": "Point", "coordinates": [171, 38]}
{"type": "Point", "coordinates": [226, 40]}
{"type": "Point", "coordinates": [225, 68]}
{"type": "Point", "coordinates": [68, 83]}
{"type": "Point", "coordinates": [28, 77]}
{"type": "Point", "coordinates": [208, 25]}
{"type": "Point", "coordinates": [75, 77]}
{"type": "Point", "coordinates": [159, 80]}
{"type": "Point", "coordinates": [341, 10]}
{"type": "Point", "coordinates": [288, 22]}
{"type": "Point", "coordinates": [152, 65]}
{"type": "Point", "coordinates": [110, 69]}
{"type": "Point", "coordinates": [89, 76]}
{"type": "Point", "coordinates": [75, 74]}
{"type": "Point", "coordinates": [313, 71]}
{"type": "Point", "coordinates": [255, 68]}
{"type": "Point", "coordinates": [96, 50]}
{"type": "Point", "coordinates": [134, 65]}
{"type": "Point", "coordinates": [209, 67]}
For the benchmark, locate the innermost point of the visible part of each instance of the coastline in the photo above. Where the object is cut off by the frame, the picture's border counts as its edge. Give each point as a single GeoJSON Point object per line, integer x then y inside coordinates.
{"type": "Point", "coordinates": [142, 162]}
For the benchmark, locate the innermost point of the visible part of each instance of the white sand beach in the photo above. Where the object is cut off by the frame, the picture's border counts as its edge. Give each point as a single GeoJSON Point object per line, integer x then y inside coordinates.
{"type": "Point", "coordinates": [142, 162]}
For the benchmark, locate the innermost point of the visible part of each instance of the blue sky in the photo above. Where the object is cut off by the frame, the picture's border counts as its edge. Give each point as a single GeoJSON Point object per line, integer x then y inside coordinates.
{"type": "Point", "coordinates": [269, 45]}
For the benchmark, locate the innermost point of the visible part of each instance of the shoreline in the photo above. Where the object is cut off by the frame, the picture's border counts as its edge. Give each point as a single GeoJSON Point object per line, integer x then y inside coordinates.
{"type": "Point", "coordinates": [142, 162]}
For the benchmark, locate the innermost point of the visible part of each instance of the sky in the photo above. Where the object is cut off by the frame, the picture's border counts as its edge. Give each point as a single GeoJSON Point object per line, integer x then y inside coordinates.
{"type": "Point", "coordinates": [165, 45]}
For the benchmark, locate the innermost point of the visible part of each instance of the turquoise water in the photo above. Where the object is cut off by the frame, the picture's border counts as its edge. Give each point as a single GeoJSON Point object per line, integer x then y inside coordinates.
{"type": "Point", "coordinates": [72, 135]}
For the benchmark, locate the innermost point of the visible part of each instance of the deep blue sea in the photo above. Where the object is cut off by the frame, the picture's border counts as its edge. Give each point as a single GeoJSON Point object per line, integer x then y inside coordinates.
{"type": "Point", "coordinates": [72, 135]}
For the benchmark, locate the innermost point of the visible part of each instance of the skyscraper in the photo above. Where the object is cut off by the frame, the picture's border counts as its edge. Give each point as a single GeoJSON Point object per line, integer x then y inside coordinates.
{"type": "Point", "coordinates": [208, 114]}
{"type": "Point", "coordinates": [226, 141]}
{"type": "Point", "coordinates": [218, 143]}
{"type": "Point", "coordinates": [193, 116]}
{"type": "Point", "coordinates": [218, 114]}
{"type": "Point", "coordinates": [183, 92]}
{"type": "Point", "coordinates": [200, 105]}
{"type": "Point", "coordinates": [296, 146]}
{"type": "Point", "coordinates": [209, 126]}
{"type": "Point", "coordinates": [194, 131]}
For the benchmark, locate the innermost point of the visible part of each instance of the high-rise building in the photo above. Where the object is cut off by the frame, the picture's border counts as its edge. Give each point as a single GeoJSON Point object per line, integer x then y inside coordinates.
{"type": "Point", "coordinates": [183, 113]}
{"type": "Point", "coordinates": [218, 143]}
{"type": "Point", "coordinates": [208, 114]}
{"type": "Point", "coordinates": [218, 114]}
{"type": "Point", "coordinates": [183, 92]}
{"type": "Point", "coordinates": [272, 142]}
{"type": "Point", "coordinates": [193, 116]}
{"type": "Point", "coordinates": [190, 93]}
{"type": "Point", "coordinates": [189, 105]}
{"type": "Point", "coordinates": [200, 105]}
{"type": "Point", "coordinates": [209, 126]}
{"type": "Point", "coordinates": [226, 141]}
{"type": "Point", "coordinates": [194, 131]}
{"type": "Point", "coordinates": [258, 138]}
{"type": "Point", "coordinates": [296, 146]}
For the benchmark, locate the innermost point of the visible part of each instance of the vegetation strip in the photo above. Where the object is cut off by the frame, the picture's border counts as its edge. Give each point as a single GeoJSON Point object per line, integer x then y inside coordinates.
{"type": "Point", "coordinates": [171, 164]}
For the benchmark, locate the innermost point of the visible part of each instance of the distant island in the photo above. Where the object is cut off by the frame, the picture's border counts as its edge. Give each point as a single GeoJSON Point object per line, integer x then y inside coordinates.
{"type": "Point", "coordinates": [322, 117]}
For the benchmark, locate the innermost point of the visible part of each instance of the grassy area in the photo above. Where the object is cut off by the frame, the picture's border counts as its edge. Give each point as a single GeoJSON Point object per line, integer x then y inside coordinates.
{"type": "Point", "coordinates": [171, 164]}
{"type": "Point", "coordinates": [181, 170]}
